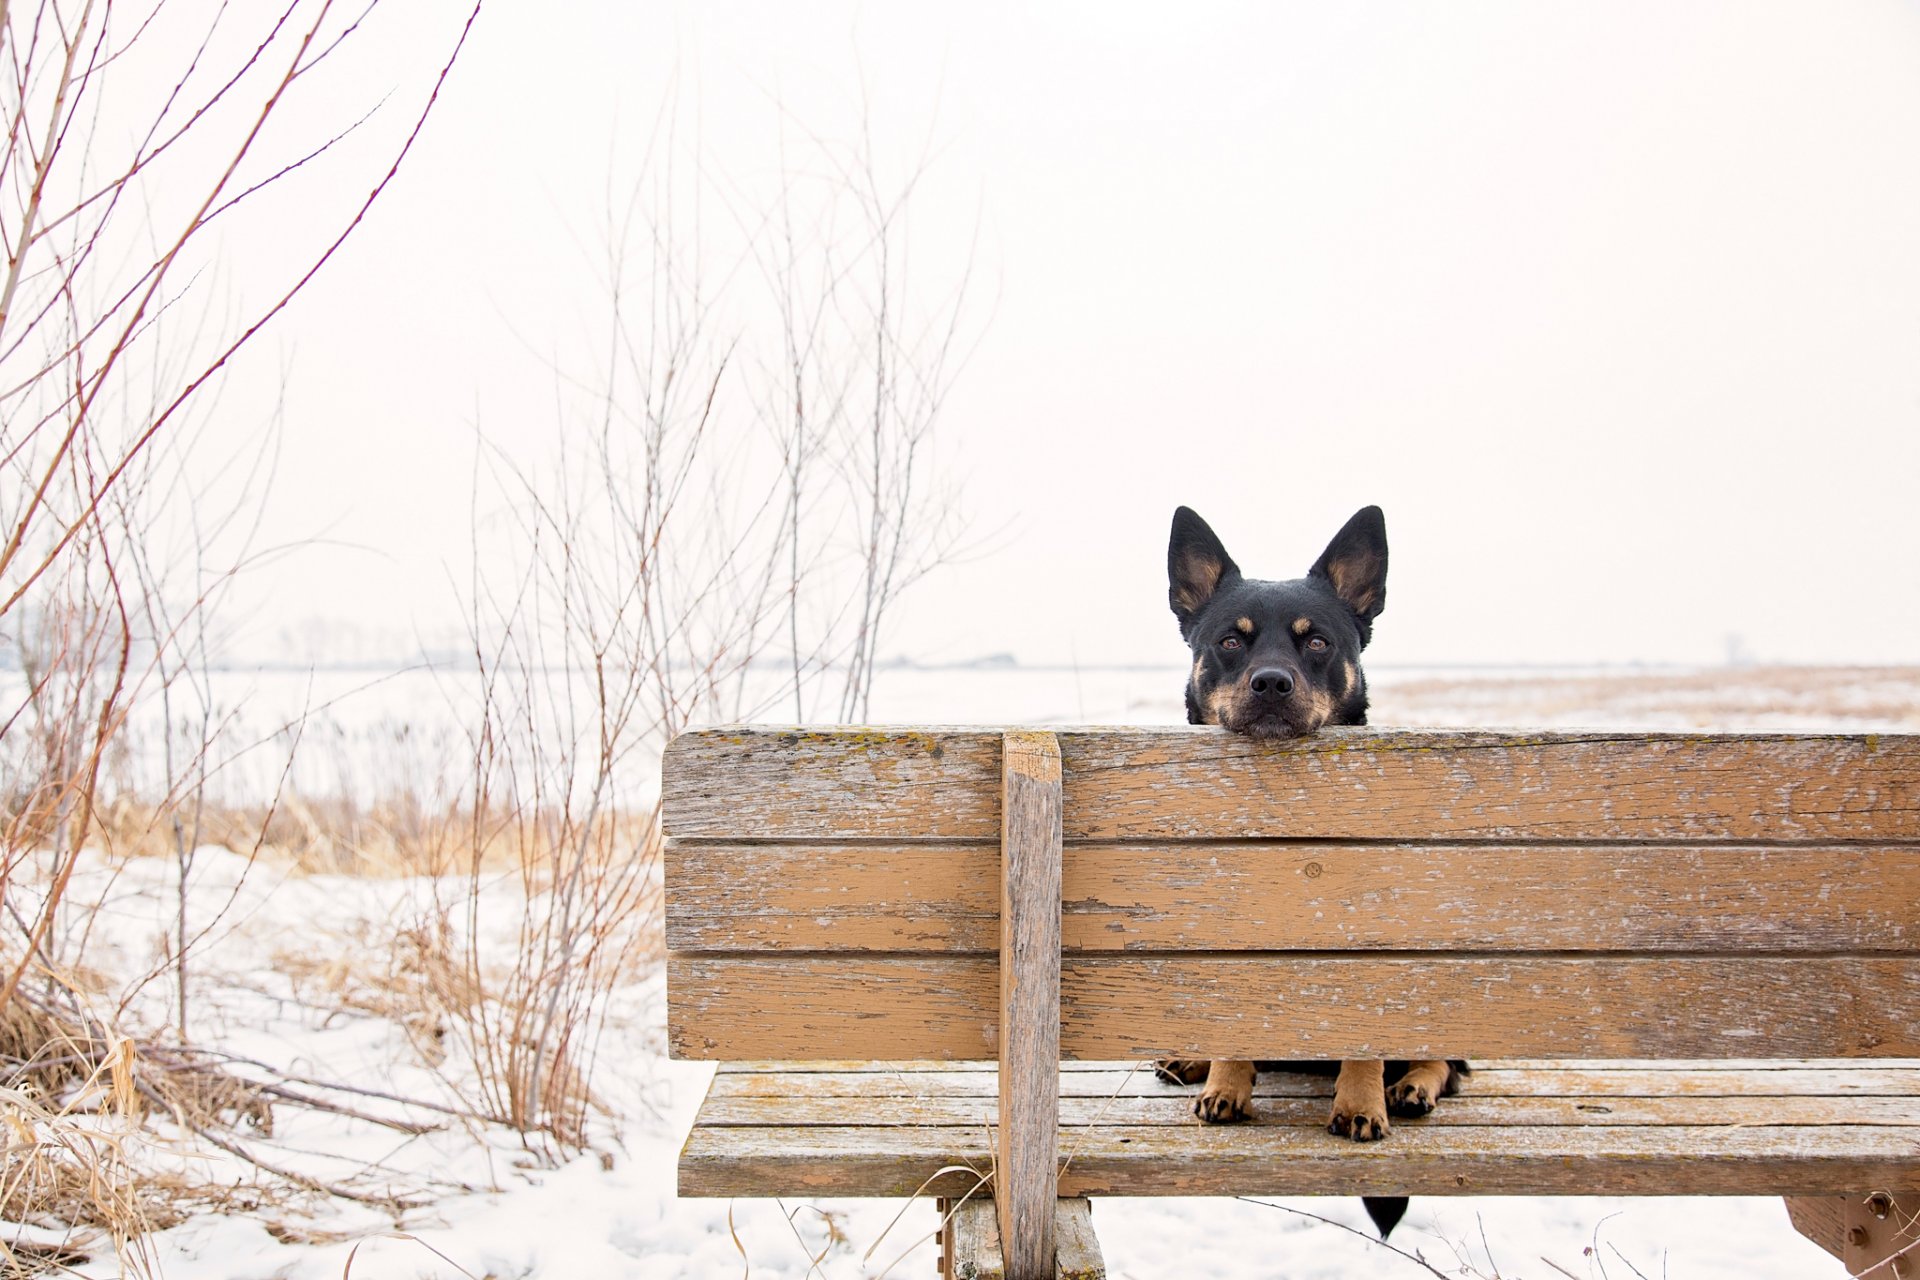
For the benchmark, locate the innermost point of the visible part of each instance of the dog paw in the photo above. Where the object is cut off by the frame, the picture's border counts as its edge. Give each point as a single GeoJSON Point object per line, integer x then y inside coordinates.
{"type": "Point", "coordinates": [1361, 1125]}
{"type": "Point", "coordinates": [1223, 1106]}
{"type": "Point", "coordinates": [1180, 1070]}
{"type": "Point", "coordinates": [1410, 1099]}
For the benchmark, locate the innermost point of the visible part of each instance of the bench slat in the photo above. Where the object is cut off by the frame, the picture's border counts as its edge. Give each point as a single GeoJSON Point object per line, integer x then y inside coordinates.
{"type": "Point", "coordinates": [816, 896]}
{"type": "Point", "coordinates": [881, 1107]}
{"type": "Point", "coordinates": [1799, 1128]}
{"type": "Point", "coordinates": [1268, 1006]}
{"type": "Point", "coordinates": [1185, 783]}
{"type": "Point", "coordinates": [1300, 1160]}
{"type": "Point", "coordinates": [1631, 1079]}
{"type": "Point", "coordinates": [757, 782]}
{"type": "Point", "coordinates": [1493, 786]}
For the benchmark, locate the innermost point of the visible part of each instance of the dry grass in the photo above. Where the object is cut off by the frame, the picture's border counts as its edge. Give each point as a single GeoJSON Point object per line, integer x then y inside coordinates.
{"type": "Point", "coordinates": [77, 1106]}
{"type": "Point", "coordinates": [416, 978]}
{"type": "Point", "coordinates": [395, 837]}
{"type": "Point", "coordinates": [70, 1105]}
{"type": "Point", "coordinates": [586, 916]}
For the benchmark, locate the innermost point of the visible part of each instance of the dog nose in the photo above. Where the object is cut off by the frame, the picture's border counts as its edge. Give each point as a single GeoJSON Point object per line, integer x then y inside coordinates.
{"type": "Point", "coordinates": [1271, 683]}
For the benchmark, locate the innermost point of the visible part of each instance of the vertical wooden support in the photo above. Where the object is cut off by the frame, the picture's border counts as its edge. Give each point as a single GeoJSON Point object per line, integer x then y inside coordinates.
{"type": "Point", "coordinates": [970, 1242]}
{"type": "Point", "coordinates": [1027, 1146]}
{"type": "Point", "coordinates": [1876, 1235]}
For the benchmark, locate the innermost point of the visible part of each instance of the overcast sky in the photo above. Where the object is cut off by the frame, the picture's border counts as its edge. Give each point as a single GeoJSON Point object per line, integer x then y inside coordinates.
{"type": "Point", "coordinates": [1615, 310]}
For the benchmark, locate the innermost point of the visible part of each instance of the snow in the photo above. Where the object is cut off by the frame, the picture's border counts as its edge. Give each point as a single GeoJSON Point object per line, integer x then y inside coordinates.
{"type": "Point", "coordinates": [280, 949]}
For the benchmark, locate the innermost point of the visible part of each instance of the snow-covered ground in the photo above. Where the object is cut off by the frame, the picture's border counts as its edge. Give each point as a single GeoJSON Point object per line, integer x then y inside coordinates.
{"type": "Point", "coordinates": [293, 969]}
{"type": "Point", "coordinates": [277, 981]}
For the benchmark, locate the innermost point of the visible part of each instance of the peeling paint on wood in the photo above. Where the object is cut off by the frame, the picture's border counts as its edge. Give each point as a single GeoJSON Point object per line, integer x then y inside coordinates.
{"type": "Point", "coordinates": [1300, 1160]}
{"type": "Point", "coordinates": [1173, 1108]}
{"type": "Point", "coordinates": [1184, 782]}
{"type": "Point", "coordinates": [1825, 1124]}
{"type": "Point", "coordinates": [1628, 1078]}
{"type": "Point", "coordinates": [1284, 1006]}
{"type": "Point", "coordinates": [1273, 895]}
{"type": "Point", "coordinates": [973, 1236]}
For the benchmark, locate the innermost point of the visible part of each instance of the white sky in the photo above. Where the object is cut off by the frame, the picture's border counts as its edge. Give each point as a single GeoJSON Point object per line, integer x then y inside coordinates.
{"type": "Point", "coordinates": [1614, 309]}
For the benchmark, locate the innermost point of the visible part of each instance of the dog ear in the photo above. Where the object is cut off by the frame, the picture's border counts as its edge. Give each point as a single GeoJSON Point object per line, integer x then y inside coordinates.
{"type": "Point", "coordinates": [1196, 566]}
{"type": "Point", "coordinates": [1355, 565]}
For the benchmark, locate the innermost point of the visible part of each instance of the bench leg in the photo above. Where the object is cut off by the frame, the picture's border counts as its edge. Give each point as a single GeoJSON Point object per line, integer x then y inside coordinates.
{"type": "Point", "coordinates": [970, 1242]}
{"type": "Point", "coordinates": [1876, 1236]}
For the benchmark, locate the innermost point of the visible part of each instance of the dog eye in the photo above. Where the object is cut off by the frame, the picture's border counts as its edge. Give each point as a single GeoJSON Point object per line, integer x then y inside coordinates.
{"type": "Point", "coordinates": [1231, 642]}
{"type": "Point", "coordinates": [1316, 644]}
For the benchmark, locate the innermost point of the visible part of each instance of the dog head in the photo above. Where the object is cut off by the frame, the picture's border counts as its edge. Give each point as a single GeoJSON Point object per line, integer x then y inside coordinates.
{"type": "Point", "coordinates": [1277, 659]}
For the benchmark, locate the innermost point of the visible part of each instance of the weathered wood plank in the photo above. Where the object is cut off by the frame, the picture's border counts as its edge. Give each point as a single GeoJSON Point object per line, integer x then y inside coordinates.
{"type": "Point", "coordinates": [1346, 783]}
{"type": "Point", "coordinates": [1681, 1064]}
{"type": "Point", "coordinates": [806, 1007]}
{"type": "Point", "coordinates": [1176, 1110]}
{"type": "Point", "coordinates": [972, 1234]}
{"type": "Point", "coordinates": [1241, 1006]}
{"type": "Point", "coordinates": [1821, 1219]}
{"type": "Point", "coordinates": [750, 1066]}
{"type": "Point", "coordinates": [1079, 1251]}
{"type": "Point", "coordinates": [1611, 898]}
{"type": "Point", "coordinates": [1184, 783]}
{"type": "Point", "coordinates": [1447, 1006]}
{"type": "Point", "coordinates": [1029, 962]}
{"type": "Point", "coordinates": [1831, 1080]}
{"type": "Point", "coordinates": [759, 782]}
{"type": "Point", "coordinates": [1415, 1159]}
{"type": "Point", "coordinates": [820, 896]}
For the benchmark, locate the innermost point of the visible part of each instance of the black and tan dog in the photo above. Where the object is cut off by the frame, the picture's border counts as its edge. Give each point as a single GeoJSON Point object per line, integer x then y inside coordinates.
{"type": "Point", "coordinates": [1282, 660]}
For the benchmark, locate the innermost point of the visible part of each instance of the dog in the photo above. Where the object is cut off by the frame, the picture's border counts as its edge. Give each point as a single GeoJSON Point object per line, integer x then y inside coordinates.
{"type": "Point", "coordinates": [1277, 660]}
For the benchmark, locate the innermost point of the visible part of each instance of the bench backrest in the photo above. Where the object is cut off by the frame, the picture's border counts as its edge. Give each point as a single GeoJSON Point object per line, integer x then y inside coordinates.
{"type": "Point", "coordinates": [835, 893]}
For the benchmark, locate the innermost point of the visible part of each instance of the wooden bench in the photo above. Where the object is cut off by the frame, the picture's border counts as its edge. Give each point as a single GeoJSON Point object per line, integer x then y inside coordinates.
{"type": "Point", "coordinates": [1682, 964]}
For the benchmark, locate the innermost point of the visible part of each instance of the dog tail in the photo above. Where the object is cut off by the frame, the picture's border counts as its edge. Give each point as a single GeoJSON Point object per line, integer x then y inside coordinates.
{"type": "Point", "coordinates": [1386, 1211]}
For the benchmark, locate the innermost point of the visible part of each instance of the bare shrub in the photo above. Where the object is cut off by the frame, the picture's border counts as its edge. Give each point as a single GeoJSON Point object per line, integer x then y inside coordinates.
{"type": "Point", "coordinates": [747, 488]}
{"type": "Point", "coordinates": [138, 134]}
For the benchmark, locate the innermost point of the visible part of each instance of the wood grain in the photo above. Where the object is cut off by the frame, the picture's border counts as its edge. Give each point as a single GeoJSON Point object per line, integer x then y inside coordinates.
{"type": "Point", "coordinates": [757, 782]}
{"type": "Point", "coordinates": [1661, 897]}
{"type": "Point", "coordinates": [1629, 1079]}
{"type": "Point", "coordinates": [1187, 783]}
{"type": "Point", "coordinates": [1026, 1136]}
{"type": "Point", "coordinates": [801, 1007]}
{"type": "Point", "coordinates": [1821, 1219]}
{"type": "Point", "coordinates": [1274, 1006]}
{"type": "Point", "coordinates": [1451, 1006]}
{"type": "Point", "coordinates": [1173, 1107]}
{"type": "Point", "coordinates": [1079, 1252]}
{"type": "Point", "coordinates": [1272, 895]}
{"type": "Point", "coordinates": [815, 895]}
{"type": "Point", "coordinates": [1383, 784]}
{"type": "Point", "coordinates": [1799, 1128]}
{"type": "Point", "coordinates": [1297, 1160]}
{"type": "Point", "coordinates": [972, 1239]}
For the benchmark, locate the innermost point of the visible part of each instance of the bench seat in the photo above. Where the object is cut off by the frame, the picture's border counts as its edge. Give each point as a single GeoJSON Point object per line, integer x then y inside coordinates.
{"type": "Point", "coordinates": [1614, 1127]}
